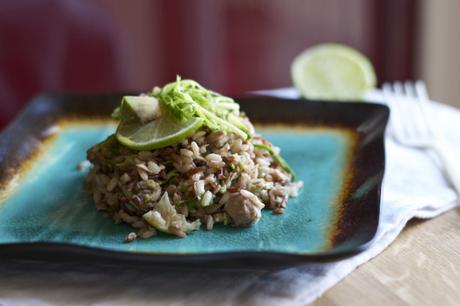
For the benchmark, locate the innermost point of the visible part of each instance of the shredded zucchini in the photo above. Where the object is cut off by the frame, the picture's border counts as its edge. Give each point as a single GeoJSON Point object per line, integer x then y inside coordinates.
{"type": "Point", "coordinates": [186, 99]}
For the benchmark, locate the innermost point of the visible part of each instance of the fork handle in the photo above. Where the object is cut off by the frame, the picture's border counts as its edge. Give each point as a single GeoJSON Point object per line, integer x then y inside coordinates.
{"type": "Point", "coordinates": [451, 165]}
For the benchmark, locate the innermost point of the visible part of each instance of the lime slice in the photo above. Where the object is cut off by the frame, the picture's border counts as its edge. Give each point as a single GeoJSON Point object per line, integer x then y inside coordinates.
{"type": "Point", "coordinates": [332, 71]}
{"type": "Point", "coordinates": [155, 134]}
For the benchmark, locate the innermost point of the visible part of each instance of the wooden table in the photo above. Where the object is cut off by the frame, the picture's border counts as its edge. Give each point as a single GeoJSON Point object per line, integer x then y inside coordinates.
{"type": "Point", "coordinates": [421, 267]}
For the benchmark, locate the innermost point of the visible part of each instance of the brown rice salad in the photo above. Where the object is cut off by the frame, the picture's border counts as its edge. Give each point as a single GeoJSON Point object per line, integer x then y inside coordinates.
{"type": "Point", "coordinates": [207, 178]}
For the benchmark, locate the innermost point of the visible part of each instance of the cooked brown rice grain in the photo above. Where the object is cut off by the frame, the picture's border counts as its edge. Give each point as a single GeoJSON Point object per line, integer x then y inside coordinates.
{"type": "Point", "coordinates": [131, 237]}
{"type": "Point", "coordinates": [125, 178]}
{"type": "Point", "coordinates": [215, 160]}
{"type": "Point", "coordinates": [143, 175]}
{"type": "Point", "coordinates": [176, 231]}
{"type": "Point", "coordinates": [153, 167]}
{"type": "Point", "coordinates": [198, 187]}
{"type": "Point", "coordinates": [146, 233]}
{"type": "Point", "coordinates": [219, 217]}
{"type": "Point", "coordinates": [186, 152]}
{"type": "Point", "coordinates": [254, 199]}
{"type": "Point", "coordinates": [112, 184]}
{"type": "Point", "coordinates": [209, 222]}
{"type": "Point", "coordinates": [197, 176]}
{"type": "Point", "coordinates": [195, 148]}
{"type": "Point", "coordinates": [138, 224]}
{"type": "Point", "coordinates": [142, 166]}
{"type": "Point", "coordinates": [207, 199]}
{"type": "Point", "coordinates": [177, 197]}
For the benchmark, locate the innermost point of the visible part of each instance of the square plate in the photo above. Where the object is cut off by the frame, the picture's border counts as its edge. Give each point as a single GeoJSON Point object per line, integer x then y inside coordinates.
{"type": "Point", "coordinates": [335, 148]}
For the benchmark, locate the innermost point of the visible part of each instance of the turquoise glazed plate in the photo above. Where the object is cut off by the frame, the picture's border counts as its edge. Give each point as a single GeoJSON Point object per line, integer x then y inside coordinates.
{"type": "Point", "coordinates": [336, 149]}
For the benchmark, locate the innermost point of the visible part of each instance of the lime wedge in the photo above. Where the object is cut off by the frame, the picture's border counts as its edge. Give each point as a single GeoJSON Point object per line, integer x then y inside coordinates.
{"type": "Point", "coordinates": [332, 71]}
{"type": "Point", "coordinates": [155, 134]}
{"type": "Point", "coordinates": [144, 108]}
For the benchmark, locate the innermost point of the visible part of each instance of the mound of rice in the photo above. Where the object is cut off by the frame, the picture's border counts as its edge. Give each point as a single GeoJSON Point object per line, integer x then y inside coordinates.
{"type": "Point", "coordinates": [208, 178]}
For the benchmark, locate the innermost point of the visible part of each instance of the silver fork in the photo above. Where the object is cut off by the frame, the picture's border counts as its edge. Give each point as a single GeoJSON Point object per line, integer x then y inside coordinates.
{"type": "Point", "coordinates": [410, 125]}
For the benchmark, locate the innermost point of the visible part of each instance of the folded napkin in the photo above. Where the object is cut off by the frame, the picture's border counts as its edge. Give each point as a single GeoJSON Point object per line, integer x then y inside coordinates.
{"type": "Point", "coordinates": [413, 187]}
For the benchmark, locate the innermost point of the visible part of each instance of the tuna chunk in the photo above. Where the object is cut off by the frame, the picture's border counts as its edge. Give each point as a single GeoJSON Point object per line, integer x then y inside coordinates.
{"type": "Point", "coordinates": [244, 208]}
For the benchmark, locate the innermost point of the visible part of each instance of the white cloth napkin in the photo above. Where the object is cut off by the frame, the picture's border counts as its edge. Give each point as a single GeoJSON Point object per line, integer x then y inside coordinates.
{"type": "Point", "coordinates": [413, 187]}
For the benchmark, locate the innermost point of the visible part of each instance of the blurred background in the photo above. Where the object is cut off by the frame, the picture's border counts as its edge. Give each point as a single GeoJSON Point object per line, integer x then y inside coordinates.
{"type": "Point", "coordinates": [232, 46]}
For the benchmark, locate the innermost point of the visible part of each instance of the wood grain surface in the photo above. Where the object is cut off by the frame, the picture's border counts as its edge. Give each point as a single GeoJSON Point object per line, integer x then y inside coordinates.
{"type": "Point", "coordinates": [421, 267]}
